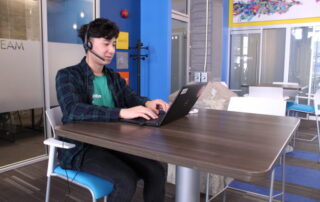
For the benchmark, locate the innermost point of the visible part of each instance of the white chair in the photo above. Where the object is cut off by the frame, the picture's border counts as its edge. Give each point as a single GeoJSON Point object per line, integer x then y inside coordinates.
{"type": "Point", "coordinates": [97, 186]}
{"type": "Point", "coordinates": [287, 92]}
{"type": "Point", "coordinates": [266, 92]}
{"type": "Point", "coordinates": [258, 105]}
{"type": "Point", "coordinates": [309, 110]}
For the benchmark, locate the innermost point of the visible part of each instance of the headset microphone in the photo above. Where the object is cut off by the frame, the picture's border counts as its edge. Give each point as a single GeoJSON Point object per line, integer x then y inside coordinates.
{"type": "Point", "coordinates": [98, 56]}
{"type": "Point", "coordinates": [88, 45]}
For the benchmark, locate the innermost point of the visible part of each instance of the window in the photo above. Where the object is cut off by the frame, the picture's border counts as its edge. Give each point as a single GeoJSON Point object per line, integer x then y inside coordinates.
{"type": "Point", "coordinates": [179, 43]}
{"type": "Point", "coordinates": [178, 55]}
{"type": "Point", "coordinates": [273, 50]}
{"type": "Point", "coordinates": [287, 54]}
{"type": "Point", "coordinates": [180, 6]}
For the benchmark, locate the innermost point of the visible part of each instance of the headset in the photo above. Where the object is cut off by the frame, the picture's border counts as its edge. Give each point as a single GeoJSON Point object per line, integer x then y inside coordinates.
{"type": "Point", "coordinates": [88, 45]}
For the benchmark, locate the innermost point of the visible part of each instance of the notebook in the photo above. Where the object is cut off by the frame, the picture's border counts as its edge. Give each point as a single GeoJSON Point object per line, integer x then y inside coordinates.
{"type": "Point", "coordinates": [186, 98]}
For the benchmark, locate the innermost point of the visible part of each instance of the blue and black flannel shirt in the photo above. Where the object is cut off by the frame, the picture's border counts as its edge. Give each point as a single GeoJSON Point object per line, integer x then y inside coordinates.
{"type": "Point", "coordinates": [74, 87]}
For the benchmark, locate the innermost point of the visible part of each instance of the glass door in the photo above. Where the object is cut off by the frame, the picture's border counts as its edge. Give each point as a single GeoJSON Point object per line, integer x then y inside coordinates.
{"type": "Point", "coordinates": [244, 60]}
{"type": "Point", "coordinates": [316, 57]}
{"type": "Point", "coordinates": [180, 44]}
{"type": "Point", "coordinates": [315, 60]}
{"type": "Point", "coordinates": [178, 55]}
{"type": "Point", "coordinates": [272, 55]}
{"type": "Point", "coordinates": [305, 60]}
{"type": "Point", "coordinates": [21, 82]}
{"type": "Point", "coordinates": [290, 54]}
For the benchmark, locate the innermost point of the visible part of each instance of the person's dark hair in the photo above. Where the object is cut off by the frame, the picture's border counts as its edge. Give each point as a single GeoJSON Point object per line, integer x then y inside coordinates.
{"type": "Point", "coordinates": [98, 28]}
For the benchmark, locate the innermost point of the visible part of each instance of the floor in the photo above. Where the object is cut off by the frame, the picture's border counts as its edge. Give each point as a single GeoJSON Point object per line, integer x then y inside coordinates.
{"type": "Point", "coordinates": [28, 183]}
{"type": "Point", "coordinates": [19, 138]}
{"type": "Point", "coordinates": [28, 144]}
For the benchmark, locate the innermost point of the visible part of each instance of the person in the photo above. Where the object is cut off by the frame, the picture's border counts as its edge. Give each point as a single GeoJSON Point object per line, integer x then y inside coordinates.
{"type": "Point", "coordinates": [89, 91]}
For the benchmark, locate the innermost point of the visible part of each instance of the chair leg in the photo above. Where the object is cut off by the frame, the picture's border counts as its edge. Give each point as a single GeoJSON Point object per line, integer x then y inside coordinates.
{"type": "Point", "coordinates": [318, 132]}
{"type": "Point", "coordinates": [207, 187]}
{"type": "Point", "coordinates": [48, 188]}
{"type": "Point", "coordinates": [271, 186]}
{"type": "Point", "coordinates": [224, 197]}
{"type": "Point", "coordinates": [283, 184]}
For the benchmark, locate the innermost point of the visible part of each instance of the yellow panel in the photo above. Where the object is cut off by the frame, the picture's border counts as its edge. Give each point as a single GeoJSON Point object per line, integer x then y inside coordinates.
{"type": "Point", "coordinates": [123, 40]}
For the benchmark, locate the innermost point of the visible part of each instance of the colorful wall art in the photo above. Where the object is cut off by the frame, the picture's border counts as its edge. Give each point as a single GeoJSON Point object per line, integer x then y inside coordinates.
{"type": "Point", "coordinates": [268, 12]}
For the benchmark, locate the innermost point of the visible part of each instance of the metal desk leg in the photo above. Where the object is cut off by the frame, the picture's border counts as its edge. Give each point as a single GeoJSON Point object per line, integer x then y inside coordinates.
{"type": "Point", "coordinates": [187, 184]}
{"type": "Point", "coordinates": [283, 164]}
{"type": "Point", "coordinates": [271, 186]}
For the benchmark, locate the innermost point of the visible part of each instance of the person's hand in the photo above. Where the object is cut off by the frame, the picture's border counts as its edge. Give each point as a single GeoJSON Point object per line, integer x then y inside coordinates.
{"type": "Point", "coordinates": [138, 111]}
{"type": "Point", "coordinates": [156, 105]}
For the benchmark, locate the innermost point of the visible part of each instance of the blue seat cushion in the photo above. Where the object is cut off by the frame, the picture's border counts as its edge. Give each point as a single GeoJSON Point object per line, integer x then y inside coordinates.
{"type": "Point", "coordinates": [302, 108]}
{"type": "Point", "coordinates": [290, 103]}
{"type": "Point", "coordinates": [99, 186]}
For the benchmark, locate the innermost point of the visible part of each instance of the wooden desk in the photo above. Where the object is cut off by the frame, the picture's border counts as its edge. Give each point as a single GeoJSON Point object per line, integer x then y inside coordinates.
{"type": "Point", "coordinates": [284, 86]}
{"type": "Point", "coordinates": [239, 145]}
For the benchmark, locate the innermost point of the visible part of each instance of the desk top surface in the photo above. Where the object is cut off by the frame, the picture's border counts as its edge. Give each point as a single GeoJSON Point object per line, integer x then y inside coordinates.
{"type": "Point", "coordinates": [284, 86]}
{"type": "Point", "coordinates": [239, 145]}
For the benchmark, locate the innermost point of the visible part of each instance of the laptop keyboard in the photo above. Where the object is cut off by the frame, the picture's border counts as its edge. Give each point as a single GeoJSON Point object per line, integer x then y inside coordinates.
{"type": "Point", "coordinates": [151, 122]}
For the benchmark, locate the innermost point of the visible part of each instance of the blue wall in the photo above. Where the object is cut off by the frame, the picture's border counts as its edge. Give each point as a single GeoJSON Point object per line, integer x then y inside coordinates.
{"type": "Point", "coordinates": [111, 9]}
{"type": "Point", "coordinates": [156, 34]}
{"type": "Point", "coordinates": [225, 42]}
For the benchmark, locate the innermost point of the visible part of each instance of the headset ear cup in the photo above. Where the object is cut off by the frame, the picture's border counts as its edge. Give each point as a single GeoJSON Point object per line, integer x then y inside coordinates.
{"type": "Point", "coordinates": [85, 46]}
{"type": "Point", "coordinates": [89, 45]}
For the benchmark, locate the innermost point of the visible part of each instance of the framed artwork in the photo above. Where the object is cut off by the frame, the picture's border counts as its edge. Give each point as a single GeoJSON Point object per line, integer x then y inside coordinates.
{"type": "Point", "coordinates": [271, 12]}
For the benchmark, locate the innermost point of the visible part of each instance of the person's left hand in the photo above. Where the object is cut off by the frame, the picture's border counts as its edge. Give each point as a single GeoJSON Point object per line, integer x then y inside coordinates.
{"type": "Point", "coordinates": [156, 105]}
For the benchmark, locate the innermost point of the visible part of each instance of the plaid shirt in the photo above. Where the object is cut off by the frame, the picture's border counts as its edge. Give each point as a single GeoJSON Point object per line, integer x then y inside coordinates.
{"type": "Point", "coordinates": [74, 92]}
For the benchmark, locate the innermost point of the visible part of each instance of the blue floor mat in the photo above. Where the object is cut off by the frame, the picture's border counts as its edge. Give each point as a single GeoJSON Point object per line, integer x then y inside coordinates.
{"type": "Point", "coordinates": [294, 175]}
{"type": "Point", "coordinates": [304, 155]}
{"type": "Point", "coordinates": [265, 191]}
{"type": "Point", "coordinates": [301, 176]}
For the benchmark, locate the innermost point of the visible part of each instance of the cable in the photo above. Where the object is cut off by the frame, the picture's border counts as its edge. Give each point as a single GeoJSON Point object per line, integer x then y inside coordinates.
{"type": "Point", "coordinates": [68, 191]}
{"type": "Point", "coordinates": [206, 39]}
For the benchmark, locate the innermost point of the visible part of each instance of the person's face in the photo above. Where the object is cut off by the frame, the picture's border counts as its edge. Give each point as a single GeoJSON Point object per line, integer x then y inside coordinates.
{"type": "Point", "coordinates": [104, 48]}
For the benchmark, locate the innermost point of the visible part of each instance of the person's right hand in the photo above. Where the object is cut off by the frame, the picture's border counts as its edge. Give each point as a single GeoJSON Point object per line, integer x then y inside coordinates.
{"type": "Point", "coordinates": [138, 111]}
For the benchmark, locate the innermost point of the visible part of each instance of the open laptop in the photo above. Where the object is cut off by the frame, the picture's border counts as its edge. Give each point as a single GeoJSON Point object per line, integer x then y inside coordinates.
{"type": "Point", "coordinates": [186, 98]}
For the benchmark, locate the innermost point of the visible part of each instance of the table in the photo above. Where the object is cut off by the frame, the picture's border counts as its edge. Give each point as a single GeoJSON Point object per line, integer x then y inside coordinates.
{"type": "Point", "coordinates": [284, 86]}
{"type": "Point", "coordinates": [239, 145]}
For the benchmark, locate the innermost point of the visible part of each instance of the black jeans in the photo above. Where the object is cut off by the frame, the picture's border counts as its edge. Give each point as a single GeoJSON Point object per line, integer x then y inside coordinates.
{"type": "Point", "coordinates": [124, 171]}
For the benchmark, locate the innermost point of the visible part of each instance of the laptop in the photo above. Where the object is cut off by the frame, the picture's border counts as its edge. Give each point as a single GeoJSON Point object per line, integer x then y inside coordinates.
{"type": "Point", "coordinates": [186, 98]}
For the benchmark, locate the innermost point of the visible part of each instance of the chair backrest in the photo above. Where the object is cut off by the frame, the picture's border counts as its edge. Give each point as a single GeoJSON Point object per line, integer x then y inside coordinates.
{"type": "Point", "coordinates": [288, 92]}
{"type": "Point", "coordinates": [266, 92]}
{"type": "Point", "coordinates": [54, 116]}
{"type": "Point", "coordinates": [258, 105]}
{"type": "Point", "coordinates": [316, 102]}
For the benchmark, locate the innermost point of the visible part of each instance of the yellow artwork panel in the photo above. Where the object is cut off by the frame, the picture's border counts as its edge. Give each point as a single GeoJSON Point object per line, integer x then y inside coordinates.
{"type": "Point", "coordinates": [123, 41]}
